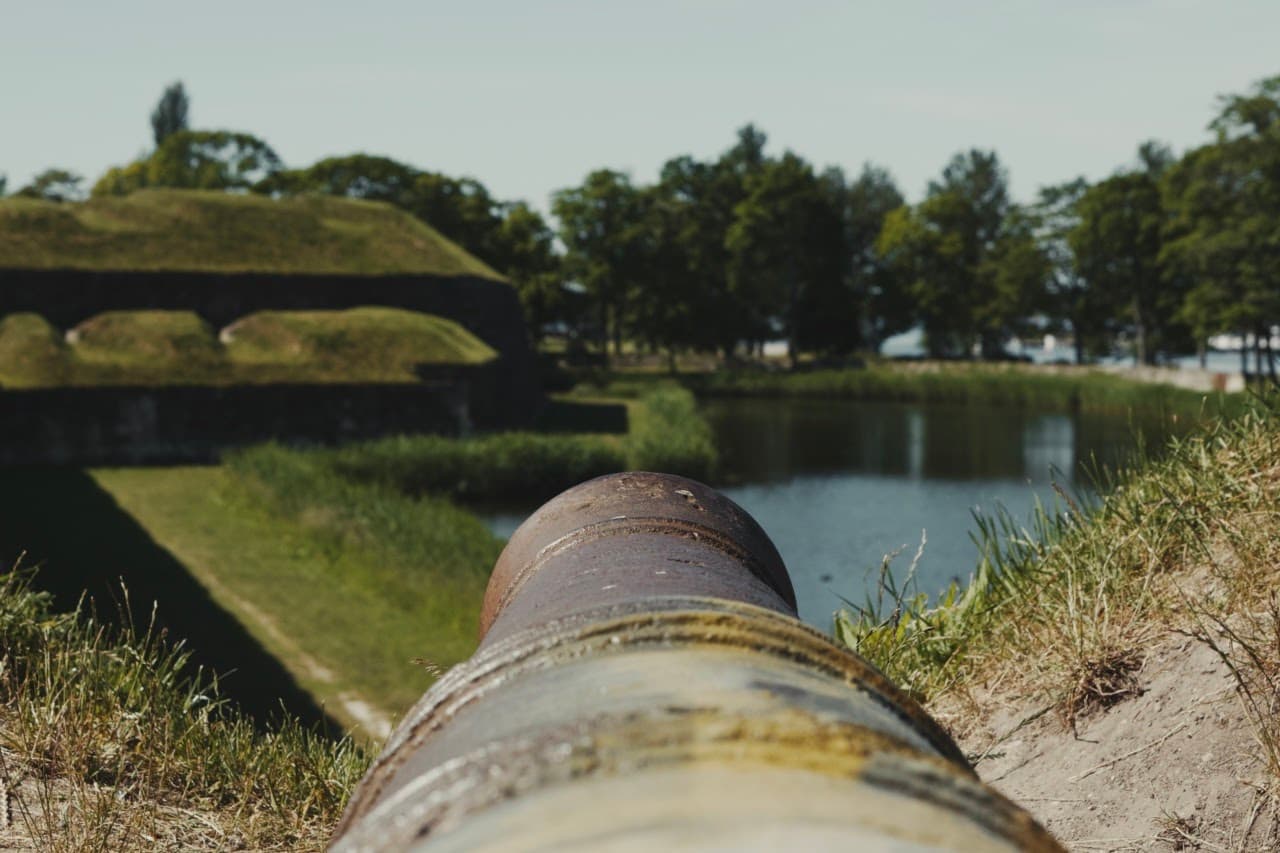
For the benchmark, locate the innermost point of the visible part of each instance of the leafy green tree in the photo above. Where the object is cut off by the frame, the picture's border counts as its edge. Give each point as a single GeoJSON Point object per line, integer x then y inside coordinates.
{"type": "Point", "coordinates": [354, 176]}
{"type": "Point", "coordinates": [1117, 243]}
{"type": "Point", "coordinates": [54, 185]}
{"type": "Point", "coordinates": [967, 257]}
{"type": "Point", "coordinates": [787, 256]}
{"type": "Point", "coordinates": [1090, 311]}
{"type": "Point", "coordinates": [602, 228]}
{"type": "Point", "coordinates": [171, 113]}
{"type": "Point", "coordinates": [527, 253]}
{"type": "Point", "coordinates": [1224, 229]}
{"type": "Point", "coordinates": [4, 183]}
{"type": "Point", "coordinates": [875, 294]}
{"type": "Point", "coordinates": [196, 159]}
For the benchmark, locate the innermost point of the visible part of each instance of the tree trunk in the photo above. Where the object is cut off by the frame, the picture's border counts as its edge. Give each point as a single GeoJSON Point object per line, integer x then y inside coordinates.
{"type": "Point", "coordinates": [1140, 329]}
{"type": "Point", "coordinates": [604, 332]}
{"type": "Point", "coordinates": [1202, 353]}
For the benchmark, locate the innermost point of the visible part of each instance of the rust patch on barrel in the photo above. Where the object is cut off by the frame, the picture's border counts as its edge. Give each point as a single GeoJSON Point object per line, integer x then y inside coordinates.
{"type": "Point", "coordinates": [655, 503]}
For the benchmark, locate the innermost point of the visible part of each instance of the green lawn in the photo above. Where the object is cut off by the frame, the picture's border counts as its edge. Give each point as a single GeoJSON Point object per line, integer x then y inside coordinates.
{"type": "Point", "coordinates": [188, 230]}
{"type": "Point", "coordinates": [344, 584]}
{"type": "Point", "coordinates": [177, 347]}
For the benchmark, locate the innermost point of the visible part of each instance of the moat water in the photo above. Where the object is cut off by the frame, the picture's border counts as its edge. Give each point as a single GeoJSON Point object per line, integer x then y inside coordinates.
{"type": "Point", "coordinates": [839, 484]}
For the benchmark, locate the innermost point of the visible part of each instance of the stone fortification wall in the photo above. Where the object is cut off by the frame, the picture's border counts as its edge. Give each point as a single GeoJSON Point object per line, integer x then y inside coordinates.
{"type": "Point", "coordinates": [132, 425]}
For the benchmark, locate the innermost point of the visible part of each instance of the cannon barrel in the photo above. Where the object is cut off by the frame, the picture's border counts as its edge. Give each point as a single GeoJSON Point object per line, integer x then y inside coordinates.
{"type": "Point", "coordinates": [642, 683]}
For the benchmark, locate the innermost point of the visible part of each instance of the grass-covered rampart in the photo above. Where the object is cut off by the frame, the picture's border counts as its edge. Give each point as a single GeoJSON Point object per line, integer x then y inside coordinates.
{"type": "Point", "coordinates": [178, 348]}
{"type": "Point", "coordinates": [110, 741]}
{"type": "Point", "coordinates": [199, 231]}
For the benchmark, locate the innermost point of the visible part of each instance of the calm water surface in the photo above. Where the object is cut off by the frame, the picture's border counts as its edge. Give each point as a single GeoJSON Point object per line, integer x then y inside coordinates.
{"type": "Point", "coordinates": [839, 484]}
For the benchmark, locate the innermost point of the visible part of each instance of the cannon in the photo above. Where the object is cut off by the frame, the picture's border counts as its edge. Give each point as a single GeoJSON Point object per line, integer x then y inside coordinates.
{"type": "Point", "coordinates": [643, 683]}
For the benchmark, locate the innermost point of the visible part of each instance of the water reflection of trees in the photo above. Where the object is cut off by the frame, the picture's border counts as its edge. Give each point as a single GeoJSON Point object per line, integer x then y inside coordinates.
{"type": "Point", "coordinates": [771, 441]}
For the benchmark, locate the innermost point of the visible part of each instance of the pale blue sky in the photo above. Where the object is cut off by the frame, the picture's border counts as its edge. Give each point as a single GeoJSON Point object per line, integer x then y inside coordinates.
{"type": "Point", "coordinates": [530, 96]}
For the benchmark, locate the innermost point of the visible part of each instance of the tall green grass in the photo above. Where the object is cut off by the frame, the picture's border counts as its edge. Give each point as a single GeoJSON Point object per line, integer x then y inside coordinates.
{"type": "Point", "coordinates": [1074, 390]}
{"type": "Point", "coordinates": [111, 741]}
{"type": "Point", "coordinates": [665, 433]}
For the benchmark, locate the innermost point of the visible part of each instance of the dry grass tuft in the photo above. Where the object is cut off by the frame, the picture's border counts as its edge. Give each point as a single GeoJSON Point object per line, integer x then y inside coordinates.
{"type": "Point", "coordinates": [1100, 683]}
{"type": "Point", "coordinates": [109, 741]}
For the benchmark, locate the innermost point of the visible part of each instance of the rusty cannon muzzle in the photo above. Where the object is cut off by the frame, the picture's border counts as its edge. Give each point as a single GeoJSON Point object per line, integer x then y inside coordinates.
{"type": "Point", "coordinates": [643, 683]}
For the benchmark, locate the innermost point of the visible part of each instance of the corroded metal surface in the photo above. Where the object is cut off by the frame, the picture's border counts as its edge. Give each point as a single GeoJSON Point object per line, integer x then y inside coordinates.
{"type": "Point", "coordinates": [670, 714]}
{"type": "Point", "coordinates": [629, 536]}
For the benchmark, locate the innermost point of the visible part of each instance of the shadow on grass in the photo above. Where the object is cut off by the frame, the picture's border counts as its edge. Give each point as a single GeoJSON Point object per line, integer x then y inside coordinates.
{"type": "Point", "coordinates": [83, 543]}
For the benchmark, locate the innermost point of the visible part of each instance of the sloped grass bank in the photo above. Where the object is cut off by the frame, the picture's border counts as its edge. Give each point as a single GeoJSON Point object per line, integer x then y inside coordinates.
{"type": "Point", "coordinates": [354, 566]}
{"type": "Point", "coordinates": [109, 741]}
{"type": "Point", "coordinates": [347, 584]}
{"type": "Point", "coordinates": [1063, 609]}
{"type": "Point", "coordinates": [178, 348]}
{"type": "Point", "coordinates": [206, 231]}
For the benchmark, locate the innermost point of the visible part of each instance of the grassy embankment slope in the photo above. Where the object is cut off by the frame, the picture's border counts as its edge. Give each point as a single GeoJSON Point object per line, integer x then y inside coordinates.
{"type": "Point", "coordinates": [1090, 610]}
{"type": "Point", "coordinates": [108, 742]}
{"type": "Point", "coordinates": [348, 564]}
{"type": "Point", "coordinates": [352, 566]}
{"type": "Point", "coordinates": [193, 231]}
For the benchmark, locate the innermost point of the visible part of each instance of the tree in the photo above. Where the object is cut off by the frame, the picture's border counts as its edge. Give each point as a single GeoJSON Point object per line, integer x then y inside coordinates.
{"type": "Point", "coordinates": [877, 295]}
{"type": "Point", "coordinates": [4, 183]}
{"type": "Point", "coordinates": [1224, 228]}
{"type": "Point", "coordinates": [1090, 311]}
{"type": "Point", "coordinates": [787, 255]}
{"type": "Point", "coordinates": [967, 257]}
{"type": "Point", "coordinates": [54, 185]}
{"type": "Point", "coordinates": [1117, 243]}
{"type": "Point", "coordinates": [354, 176]}
{"type": "Point", "coordinates": [601, 225]}
{"type": "Point", "coordinates": [196, 159]}
{"type": "Point", "coordinates": [526, 253]}
{"type": "Point", "coordinates": [171, 113]}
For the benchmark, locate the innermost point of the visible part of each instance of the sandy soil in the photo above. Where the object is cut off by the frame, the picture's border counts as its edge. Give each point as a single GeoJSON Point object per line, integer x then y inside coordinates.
{"type": "Point", "coordinates": [1176, 767]}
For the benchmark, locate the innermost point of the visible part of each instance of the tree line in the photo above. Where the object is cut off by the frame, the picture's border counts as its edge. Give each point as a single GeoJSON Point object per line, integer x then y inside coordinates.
{"type": "Point", "coordinates": [722, 255]}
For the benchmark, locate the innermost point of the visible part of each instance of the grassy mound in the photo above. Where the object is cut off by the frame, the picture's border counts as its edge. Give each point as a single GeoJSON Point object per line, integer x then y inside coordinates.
{"type": "Point", "coordinates": [145, 347]}
{"type": "Point", "coordinates": [357, 345]}
{"type": "Point", "coordinates": [32, 353]}
{"type": "Point", "coordinates": [186, 230]}
{"type": "Point", "coordinates": [111, 742]}
{"type": "Point", "coordinates": [178, 348]}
